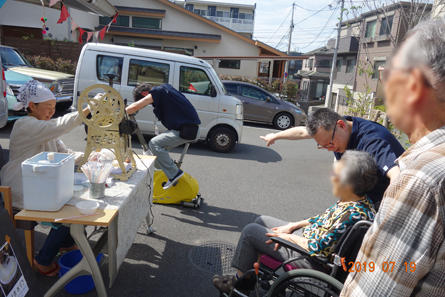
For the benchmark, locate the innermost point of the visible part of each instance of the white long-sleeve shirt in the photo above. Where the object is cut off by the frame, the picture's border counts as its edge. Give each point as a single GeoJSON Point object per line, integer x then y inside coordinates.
{"type": "Point", "coordinates": [29, 137]}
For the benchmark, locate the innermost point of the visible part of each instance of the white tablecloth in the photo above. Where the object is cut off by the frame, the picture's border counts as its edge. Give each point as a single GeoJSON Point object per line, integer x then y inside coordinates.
{"type": "Point", "coordinates": [132, 198]}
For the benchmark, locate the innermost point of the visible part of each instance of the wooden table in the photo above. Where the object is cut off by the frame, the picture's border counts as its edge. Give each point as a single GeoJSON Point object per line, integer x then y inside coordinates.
{"type": "Point", "coordinates": [103, 218]}
{"type": "Point", "coordinates": [88, 264]}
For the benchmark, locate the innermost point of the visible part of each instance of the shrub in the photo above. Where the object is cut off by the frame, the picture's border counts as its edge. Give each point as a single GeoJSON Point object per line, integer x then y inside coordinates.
{"type": "Point", "coordinates": [61, 65]}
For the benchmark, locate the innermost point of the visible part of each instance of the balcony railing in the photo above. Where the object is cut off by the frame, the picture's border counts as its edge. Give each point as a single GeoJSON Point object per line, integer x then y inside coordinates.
{"type": "Point", "coordinates": [240, 25]}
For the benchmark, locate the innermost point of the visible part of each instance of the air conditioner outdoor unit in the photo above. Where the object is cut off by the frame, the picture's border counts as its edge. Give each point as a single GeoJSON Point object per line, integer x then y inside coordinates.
{"type": "Point", "coordinates": [99, 7]}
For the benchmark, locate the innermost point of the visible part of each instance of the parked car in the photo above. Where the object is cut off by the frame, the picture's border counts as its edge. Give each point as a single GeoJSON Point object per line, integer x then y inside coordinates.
{"type": "Point", "coordinates": [221, 115]}
{"type": "Point", "coordinates": [3, 100]}
{"type": "Point", "coordinates": [61, 84]}
{"type": "Point", "coordinates": [261, 106]}
{"type": "Point", "coordinates": [15, 81]}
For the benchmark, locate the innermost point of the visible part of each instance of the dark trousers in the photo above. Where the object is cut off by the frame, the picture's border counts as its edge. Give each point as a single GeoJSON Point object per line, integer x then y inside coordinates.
{"type": "Point", "coordinates": [57, 238]}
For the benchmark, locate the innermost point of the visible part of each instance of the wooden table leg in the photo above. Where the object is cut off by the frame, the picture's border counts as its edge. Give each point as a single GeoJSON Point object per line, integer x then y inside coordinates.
{"type": "Point", "coordinates": [29, 239]}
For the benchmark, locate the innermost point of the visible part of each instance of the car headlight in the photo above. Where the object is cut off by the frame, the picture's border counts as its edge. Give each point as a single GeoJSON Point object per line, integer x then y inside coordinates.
{"type": "Point", "coordinates": [9, 91]}
{"type": "Point", "coordinates": [239, 112]}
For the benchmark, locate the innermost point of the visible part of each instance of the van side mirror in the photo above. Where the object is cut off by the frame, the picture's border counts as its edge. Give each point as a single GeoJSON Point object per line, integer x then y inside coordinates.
{"type": "Point", "coordinates": [213, 92]}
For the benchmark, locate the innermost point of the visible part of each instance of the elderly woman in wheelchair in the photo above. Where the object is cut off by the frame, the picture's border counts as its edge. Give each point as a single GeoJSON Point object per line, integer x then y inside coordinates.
{"type": "Point", "coordinates": [353, 175]}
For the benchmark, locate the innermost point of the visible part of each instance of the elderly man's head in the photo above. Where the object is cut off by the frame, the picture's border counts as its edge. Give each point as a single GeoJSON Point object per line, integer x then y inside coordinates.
{"type": "Point", "coordinates": [354, 175]}
{"type": "Point", "coordinates": [329, 129]}
{"type": "Point", "coordinates": [415, 80]}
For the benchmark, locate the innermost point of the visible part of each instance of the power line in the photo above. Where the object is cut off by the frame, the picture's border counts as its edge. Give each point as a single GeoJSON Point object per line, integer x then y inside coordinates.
{"type": "Point", "coordinates": [282, 23]}
{"type": "Point", "coordinates": [324, 27]}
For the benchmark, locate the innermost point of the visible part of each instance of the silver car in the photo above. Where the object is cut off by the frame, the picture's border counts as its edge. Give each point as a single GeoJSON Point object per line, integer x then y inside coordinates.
{"type": "Point", "coordinates": [261, 106]}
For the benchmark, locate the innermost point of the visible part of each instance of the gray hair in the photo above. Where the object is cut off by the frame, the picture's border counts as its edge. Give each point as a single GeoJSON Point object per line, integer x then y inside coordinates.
{"type": "Point", "coordinates": [425, 48]}
{"type": "Point", "coordinates": [322, 118]}
{"type": "Point", "coordinates": [360, 171]}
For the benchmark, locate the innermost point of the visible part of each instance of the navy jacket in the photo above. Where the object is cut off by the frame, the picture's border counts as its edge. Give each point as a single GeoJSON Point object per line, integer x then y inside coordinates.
{"type": "Point", "coordinates": [373, 138]}
{"type": "Point", "coordinates": [172, 108]}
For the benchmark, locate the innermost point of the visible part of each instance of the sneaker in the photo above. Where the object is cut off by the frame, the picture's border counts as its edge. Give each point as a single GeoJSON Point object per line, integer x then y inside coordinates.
{"type": "Point", "coordinates": [224, 283]}
{"type": "Point", "coordinates": [173, 181]}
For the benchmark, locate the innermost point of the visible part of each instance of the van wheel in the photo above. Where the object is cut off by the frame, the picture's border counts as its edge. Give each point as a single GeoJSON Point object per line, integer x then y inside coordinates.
{"type": "Point", "coordinates": [222, 139]}
{"type": "Point", "coordinates": [283, 121]}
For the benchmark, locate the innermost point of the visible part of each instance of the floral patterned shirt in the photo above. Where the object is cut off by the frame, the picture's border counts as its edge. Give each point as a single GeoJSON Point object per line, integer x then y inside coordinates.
{"type": "Point", "coordinates": [325, 229]}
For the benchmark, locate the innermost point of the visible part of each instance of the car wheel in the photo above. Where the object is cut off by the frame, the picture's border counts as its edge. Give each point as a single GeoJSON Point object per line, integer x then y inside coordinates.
{"type": "Point", "coordinates": [283, 121]}
{"type": "Point", "coordinates": [222, 139]}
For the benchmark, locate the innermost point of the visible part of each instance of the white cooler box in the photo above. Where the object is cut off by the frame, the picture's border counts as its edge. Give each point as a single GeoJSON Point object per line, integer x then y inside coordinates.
{"type": "Point", "coordinates": [47, 184]}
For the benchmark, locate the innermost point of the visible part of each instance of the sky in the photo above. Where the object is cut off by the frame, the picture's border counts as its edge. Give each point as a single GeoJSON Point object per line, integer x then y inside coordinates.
{"type": "Point", "coordinates": [312, 27]}
{"type": "Point", "coordinates": [315, 20]}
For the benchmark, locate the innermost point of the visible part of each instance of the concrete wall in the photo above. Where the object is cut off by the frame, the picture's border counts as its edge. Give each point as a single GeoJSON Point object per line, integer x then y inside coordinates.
{"type": "Point", "coordinates": [175, 20]}
{"type": "Point", "coordinates": [21, 14]}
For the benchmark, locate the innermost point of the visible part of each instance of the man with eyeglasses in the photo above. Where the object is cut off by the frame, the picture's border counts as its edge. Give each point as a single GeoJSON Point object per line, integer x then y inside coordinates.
{"type": "Point", "coordinates": [337, 134]}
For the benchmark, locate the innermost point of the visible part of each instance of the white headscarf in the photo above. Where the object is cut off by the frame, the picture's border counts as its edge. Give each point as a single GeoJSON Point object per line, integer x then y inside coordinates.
{"type": "Point", "coordinates": [34, 91]}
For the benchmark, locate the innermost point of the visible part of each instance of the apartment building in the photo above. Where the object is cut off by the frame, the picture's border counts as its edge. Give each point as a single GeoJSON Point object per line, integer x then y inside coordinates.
{"type": "Point", "coordinates": [238, 17]}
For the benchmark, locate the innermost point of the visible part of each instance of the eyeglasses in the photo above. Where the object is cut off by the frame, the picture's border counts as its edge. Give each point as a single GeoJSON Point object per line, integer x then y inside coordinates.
{"type": "Point", "coordinates": [331, 143]}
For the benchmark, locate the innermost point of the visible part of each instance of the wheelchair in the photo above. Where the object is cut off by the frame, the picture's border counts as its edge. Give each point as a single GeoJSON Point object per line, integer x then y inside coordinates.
{"type": "Point", "coordinates": [272, 278]}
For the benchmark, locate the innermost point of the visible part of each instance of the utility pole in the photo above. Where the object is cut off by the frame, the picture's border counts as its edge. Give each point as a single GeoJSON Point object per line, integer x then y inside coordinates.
{"type": "Point", "coordinates": [291, 30]}
{"type": "Point", "coordinates": [334, 62]}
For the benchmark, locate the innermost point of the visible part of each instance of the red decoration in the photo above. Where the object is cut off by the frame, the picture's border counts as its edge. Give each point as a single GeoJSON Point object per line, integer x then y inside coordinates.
{"type": "Point", "coordinates": [63, 15]}
{"type": "Point", "coordinates": [81, 31]}
{"type": "Point", "coordinates": [89, 35]}
{"type": "Point", "coordinates": [102, 32]}
{"type": "Point", "coordinates": [115, 18]}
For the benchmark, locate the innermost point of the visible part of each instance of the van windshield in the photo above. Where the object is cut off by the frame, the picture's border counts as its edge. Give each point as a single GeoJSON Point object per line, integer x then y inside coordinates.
{"type": "Point", "coordinates": [218, 81]}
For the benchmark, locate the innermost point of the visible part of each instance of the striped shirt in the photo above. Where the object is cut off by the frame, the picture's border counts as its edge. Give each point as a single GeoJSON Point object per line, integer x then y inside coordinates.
{"type": "Point", "coordinates": [406, 241]}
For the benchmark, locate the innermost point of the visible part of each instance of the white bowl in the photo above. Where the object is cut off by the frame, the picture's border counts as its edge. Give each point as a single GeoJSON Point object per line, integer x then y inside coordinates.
{"type": "Point", "coordinates": [87, 207]}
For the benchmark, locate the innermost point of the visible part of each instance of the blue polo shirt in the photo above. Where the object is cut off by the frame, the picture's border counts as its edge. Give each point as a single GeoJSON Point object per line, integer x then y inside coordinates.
{"type": "Point", "coordinates": [373, 138]}
{"type": "Point", "coordinates": [172, 108]}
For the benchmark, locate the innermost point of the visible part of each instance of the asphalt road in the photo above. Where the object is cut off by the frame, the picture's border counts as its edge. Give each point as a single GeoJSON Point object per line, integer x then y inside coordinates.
{"type": "Point", "coordinates": [289, 180]}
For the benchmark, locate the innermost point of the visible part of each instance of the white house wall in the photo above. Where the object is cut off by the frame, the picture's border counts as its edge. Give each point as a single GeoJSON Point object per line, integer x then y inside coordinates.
{"type": "Point", "coordinates": [21, 14]}
{"type": "Point", "coordinates": [175, 20]}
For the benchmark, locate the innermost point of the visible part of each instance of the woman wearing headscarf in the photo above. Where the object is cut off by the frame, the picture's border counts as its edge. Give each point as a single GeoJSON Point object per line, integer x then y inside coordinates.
{"type": "Point", "coordinates": [33, 134]}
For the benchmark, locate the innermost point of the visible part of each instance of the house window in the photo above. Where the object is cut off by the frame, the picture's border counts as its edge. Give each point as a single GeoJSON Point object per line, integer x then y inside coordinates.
{"type": "Point", "coordinates": [194, 81]}
{"type": "Point", "coordinates": [219, 13]}
{"type": "Point", "coordinates": [321, 88]}
{"type": "Point", "coordinates": [242, 16]}
{"type": "Point", "coordinates": [338, 65]}
{"type": "Point", "coordinates": [109, 65]}
{"type": "Point", "coordinates": [350, 64]}
{"type": "Point", "coordinates": [324, 63]}
{"type": "Point", "coordinates": [310, 64]}
{"type": "Point", "coordinates": [211, 11]}
{"type": "Point", "coordinates": [147, 71]}
{"type": "Point", "coordinates": [231, 64]}
{"type": "Point", "coordinates": [149, 23]}
{"type": "Point", "coordinates": [234, 13]}
{"type": "Point", "coordinates": [122, 20]}
{"type": "Point", "coordinates": [370, 29]}
{"type": "Point", "coordinates": [386, 25]}
{"type": "Point", "coordinates": [189, 7]}
{"type": "Point", "coordinates": [377, 65]}
{"type": "Point", "coordinates": [226, 14]}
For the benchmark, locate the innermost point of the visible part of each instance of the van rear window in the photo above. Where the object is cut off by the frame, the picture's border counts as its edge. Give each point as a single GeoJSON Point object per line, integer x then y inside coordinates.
{"type": "Point", "coordinates": [147, 71]}
{"type": "Point", "coordinates": [109, 65]}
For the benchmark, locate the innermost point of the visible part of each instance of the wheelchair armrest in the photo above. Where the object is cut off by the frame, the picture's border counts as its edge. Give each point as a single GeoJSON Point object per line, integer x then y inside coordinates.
{"type": "Point", "coordinates": [290, 245]}
{"type": "Point", "coordinates": [296, 248]}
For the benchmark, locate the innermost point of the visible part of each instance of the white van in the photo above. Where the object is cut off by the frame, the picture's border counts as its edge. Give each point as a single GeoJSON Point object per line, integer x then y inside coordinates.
{"type": "Point", "coordinates": [221, 115]}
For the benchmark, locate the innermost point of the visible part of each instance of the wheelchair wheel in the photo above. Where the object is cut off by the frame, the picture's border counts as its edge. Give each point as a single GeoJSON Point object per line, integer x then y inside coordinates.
{"type": "Point", "coordinates": [305, 283]}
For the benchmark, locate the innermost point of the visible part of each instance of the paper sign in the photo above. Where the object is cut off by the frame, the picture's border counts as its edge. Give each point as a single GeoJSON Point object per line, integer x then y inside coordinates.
{"type": "Point", "coordinates": [12, 281]}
